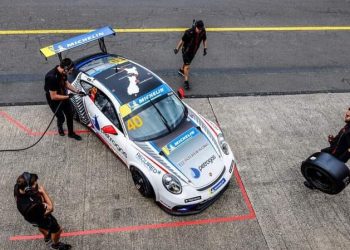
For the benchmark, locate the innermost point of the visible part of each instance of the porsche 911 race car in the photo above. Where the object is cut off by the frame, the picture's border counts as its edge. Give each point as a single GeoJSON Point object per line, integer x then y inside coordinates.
{"type": "Point", "coordinates": [174, 154]}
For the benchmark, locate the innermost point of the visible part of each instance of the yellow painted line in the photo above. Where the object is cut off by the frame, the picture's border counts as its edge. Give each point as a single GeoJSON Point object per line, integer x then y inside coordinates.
{"type": "Point", "coordinates": [156, 30]}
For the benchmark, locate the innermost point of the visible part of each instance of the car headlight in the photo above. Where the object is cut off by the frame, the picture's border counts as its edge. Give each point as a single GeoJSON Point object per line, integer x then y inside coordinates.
{"type": "Point", "coordinates": [223, 144]}
{"type": "Point", "coordinates": [172, 184]}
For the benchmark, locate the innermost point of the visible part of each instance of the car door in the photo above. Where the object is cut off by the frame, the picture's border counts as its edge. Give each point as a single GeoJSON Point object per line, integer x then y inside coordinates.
{"type": "Point", "coordinates": [104, 120]}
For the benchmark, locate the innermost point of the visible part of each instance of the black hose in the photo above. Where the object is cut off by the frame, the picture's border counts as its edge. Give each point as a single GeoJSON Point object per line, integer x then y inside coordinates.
{"type": "Point", "coordinates": [22, 149]}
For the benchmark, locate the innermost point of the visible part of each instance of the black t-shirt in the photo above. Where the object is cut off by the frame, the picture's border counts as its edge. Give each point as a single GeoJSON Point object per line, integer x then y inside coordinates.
{"type": "Point", "coordinates": [54, 81]}
{"type": "Point", "coordinates": [341, 142]}
{"type": "Point", "coordinates": [192, 40]}
{"type": "Point", "coordinates": [30, 206]}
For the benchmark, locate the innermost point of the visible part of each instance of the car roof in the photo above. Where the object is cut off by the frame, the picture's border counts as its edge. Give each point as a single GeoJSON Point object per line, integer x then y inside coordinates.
{"type": "Point", "coordinates": [125, 79]}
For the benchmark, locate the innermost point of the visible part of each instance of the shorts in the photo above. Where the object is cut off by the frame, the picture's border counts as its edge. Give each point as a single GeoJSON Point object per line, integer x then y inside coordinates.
{"type": "Point", "coordinates": [187, 58]}
{"type": "Point", "coordinates": [48, 223]}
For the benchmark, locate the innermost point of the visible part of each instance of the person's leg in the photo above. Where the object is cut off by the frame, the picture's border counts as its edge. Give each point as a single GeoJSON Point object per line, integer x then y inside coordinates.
{"type": "Point", "coordinates": [55, 237]}
{"type": "Point", "coordinates": [67, 109]}
{"type": "Point", "coordinates": [59, 114]}
{"type": "Point", "coordinates": [43, 231]}
{"type": "Point", "coordinates": [186, 68]}
{"type": "Point", "coordinates": [47, 235]}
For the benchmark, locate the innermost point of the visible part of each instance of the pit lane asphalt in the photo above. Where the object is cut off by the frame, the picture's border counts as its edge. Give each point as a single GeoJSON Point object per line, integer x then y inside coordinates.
{"type": "Point", "coordinates": [93, 191]}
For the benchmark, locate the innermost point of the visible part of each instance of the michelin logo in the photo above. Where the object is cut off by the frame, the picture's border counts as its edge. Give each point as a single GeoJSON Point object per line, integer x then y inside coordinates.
{"type": "Point", "coordinates": [85, 40]}
{"type": "Point", "coordinates": [155, 93]}
{"type": "Point", "coordinates": [179, 140]}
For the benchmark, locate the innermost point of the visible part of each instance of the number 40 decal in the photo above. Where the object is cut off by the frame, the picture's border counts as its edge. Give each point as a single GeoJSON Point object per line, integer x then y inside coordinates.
{"type": "Point", "coordinates": [135, 123]}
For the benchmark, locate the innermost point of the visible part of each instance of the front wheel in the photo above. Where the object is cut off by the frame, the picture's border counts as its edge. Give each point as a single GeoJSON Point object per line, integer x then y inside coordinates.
{"type": "Point", "coordinates": [142, 183]}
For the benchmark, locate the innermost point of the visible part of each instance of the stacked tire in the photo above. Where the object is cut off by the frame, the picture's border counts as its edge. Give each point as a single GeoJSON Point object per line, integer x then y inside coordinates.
{"type": "Point", "coordinates": [326, 173]}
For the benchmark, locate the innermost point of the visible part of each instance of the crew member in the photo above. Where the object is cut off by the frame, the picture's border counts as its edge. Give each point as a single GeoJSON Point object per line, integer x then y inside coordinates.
{"type": "Point", "coordinates": [56, 85]}
{"type": "Point", "coordinates": [35, 205]}
{"type": "Point", "coordinates": [339, 145]}
{"type": "Point", "coordinates": [190, 43]}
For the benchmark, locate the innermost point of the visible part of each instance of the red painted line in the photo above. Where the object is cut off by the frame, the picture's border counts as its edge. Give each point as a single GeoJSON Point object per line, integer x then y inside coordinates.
{"type": "Point", "coordinates": [140, 227]}
{"type": "Point", "coordinates": [244, 193]}
{"type": "Point", "coordinates": [249, 216]}
{"type": "Point", "coordinates": [16, 123]}
{"type": "Point", "coordinates": [28, 131]}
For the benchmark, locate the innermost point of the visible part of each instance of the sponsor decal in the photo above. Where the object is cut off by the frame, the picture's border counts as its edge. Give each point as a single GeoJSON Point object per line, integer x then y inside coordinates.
{"type": "Point", "coordinates": [76, 41]}
{"type": "Point", "coordinates": [195, 173]}
{"type": "Point", "coordinates": [193, 199]}
{"type": "Point", "coordinates": [146, 163]}
{"type": "Point", "coordinates": [134, 122]}
{"type": "Point", "coordinates": [218, 185]}
{"type": "Point", "coordinates": [117, 60]}
{"type": "Point", "coordinates": [81, 40]}
{"type": "Point", "coordinates": [128, 108]}
{"type": "Point", "coordinates": [207, 162]}
{"type": "Point", "coordinates": [178, 141]}
{"type": "Point", "coordinates": [120, 150]}
{"type": "Point", "coordinates": [193, 154]}
{"type": "Point", "coordinates": [95, 123]}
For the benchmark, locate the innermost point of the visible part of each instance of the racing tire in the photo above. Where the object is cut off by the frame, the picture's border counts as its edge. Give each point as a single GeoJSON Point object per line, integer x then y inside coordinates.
{"type": "Point", "coordinates": [141, 182]}
{"type": "Point", "coordinates": [326, 173]}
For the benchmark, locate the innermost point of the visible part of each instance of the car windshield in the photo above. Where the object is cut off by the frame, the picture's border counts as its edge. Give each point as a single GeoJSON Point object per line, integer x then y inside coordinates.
{"type": "Point", "coordinates": [158, 118]}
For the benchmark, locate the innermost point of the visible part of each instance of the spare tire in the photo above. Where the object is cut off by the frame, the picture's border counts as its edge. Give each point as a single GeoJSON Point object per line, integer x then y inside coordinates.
{"type": "Point", "coordinates": [326, 173]}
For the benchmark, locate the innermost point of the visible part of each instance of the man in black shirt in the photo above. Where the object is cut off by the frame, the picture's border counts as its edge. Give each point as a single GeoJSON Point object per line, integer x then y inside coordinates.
{"type": "Point", "coordinates": [339, 146]}
{"type": "Point", "coordinates": [190, 43]}
{"type": "Point", "coordinates": [35, 205]}
{"type": "Point", "coordinates": [56, 84]}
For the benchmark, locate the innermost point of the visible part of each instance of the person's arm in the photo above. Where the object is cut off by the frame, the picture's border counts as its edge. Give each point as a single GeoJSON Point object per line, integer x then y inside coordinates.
{"type": "Point", "coordinates": [178, 46]}
{"type": "Point", "coordinates": [205, 47]}
{"type": "Point", "coordinates": [57, 97]}
{"type": "Point", "coordinates": [47, 200]}
{"type": "Point", "coordinates": [71, 87]}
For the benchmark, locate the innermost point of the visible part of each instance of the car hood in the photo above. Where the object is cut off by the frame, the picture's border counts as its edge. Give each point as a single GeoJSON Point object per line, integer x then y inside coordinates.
{"type": "Point", "coordinates": [190, 151]}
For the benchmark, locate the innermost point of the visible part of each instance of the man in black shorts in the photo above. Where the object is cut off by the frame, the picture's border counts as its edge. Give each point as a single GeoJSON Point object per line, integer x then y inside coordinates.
{"type": "Point", "coordinates": [56, 84]}
{"type": "Point", "coordinates": [35, 205]}
{"type": "Point", "coordinates": [190, 43]}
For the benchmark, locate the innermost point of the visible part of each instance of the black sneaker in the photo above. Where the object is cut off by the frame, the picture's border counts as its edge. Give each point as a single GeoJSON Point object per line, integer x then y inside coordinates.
{"type": "Point", "coordinates": [308, 185]}
{"type": "Point", "coordinates": [60, 130]}
{"type": "Point", "coordinates": [181, 72]}
{"type": "Point", "coordinates": [75, 136]}
{"type": "Point", "coordinates": [187, 85]}
{"type": "Point", "coordinates": [61, 246]}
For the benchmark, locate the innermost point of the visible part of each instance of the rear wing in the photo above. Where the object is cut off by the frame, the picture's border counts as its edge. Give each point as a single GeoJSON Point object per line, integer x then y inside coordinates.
{"type": "Point", "coordinates": [58, 48]}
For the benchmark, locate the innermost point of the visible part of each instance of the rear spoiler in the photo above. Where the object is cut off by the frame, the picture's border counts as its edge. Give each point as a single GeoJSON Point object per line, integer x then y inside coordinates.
{"type": "Point", "coordinates": [58, 48]}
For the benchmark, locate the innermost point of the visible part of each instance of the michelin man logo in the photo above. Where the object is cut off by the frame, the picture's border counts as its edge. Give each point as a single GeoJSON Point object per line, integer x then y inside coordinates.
{"type": "Point", "coordinates": [133, 81]}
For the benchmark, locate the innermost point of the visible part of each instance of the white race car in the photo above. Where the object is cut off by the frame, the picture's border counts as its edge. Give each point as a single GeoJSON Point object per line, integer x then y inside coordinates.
{"type": "Point", "coordinates": [175, 155]}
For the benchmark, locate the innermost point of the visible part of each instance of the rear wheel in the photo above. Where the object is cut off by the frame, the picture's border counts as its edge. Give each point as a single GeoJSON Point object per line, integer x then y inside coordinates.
{"type": "Point", "coordinates": [142, 183]}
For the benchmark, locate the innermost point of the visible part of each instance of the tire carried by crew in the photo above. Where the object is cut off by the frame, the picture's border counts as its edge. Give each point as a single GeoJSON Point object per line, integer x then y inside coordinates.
{"type": "Point", "coordinates": [326, 173]}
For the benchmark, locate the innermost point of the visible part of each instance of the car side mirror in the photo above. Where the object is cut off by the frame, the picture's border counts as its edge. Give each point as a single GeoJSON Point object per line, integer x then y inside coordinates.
{"type": "Point", "coordinates": [109, 129]}
{"type": "Point", "coordinates": [181, 93]}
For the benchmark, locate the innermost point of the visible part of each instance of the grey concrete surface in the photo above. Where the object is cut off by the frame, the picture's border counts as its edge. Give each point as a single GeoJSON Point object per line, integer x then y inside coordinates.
{"type": "Point", "coordinates": [270, 136]}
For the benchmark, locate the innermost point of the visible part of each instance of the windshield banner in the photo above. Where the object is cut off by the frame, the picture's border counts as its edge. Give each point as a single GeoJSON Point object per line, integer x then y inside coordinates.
{"type": "Point", "coordinates": [77, 41]}
{"type": "Point", "coordinates": [128, 108]}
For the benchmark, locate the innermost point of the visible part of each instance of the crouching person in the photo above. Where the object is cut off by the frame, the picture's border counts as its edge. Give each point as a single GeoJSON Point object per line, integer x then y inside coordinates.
{"type": "Point", "coordinates": [36, 207]}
